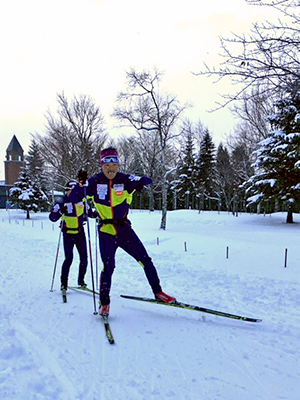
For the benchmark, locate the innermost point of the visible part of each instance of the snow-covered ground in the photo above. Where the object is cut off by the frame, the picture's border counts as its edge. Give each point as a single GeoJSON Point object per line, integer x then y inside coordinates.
{"type": "Point", "coordinates": [52, 350]}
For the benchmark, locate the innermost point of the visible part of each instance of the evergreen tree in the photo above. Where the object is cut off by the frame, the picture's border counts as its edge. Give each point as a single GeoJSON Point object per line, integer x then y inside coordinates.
{"type": "Point", "coordinates": [35, 165]}
{"type": "Point", "coordinates": [241, 163]}
{"type": "Point", "coordinates": [206, 169]}
{"type": "Point", "coordinates": [225, 176]}
{"type": "Point", "coordinates": [277, 177]}
{"type": "Point", "coordinates": [27, 195]}
{"type": "Point", "coordinates": [242, 170]}
{"type": "Point", "coordinates": [34, 160]}
{"type": "Point", "coordinates": [185, 186]}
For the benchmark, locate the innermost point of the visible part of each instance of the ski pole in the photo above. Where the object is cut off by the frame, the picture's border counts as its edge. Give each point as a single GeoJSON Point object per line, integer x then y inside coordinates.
{"type": "Point", "coordinates": [96, 241]}
{"type": "Point", "coordinates": [90, 248]}
{"type": "Point", "coordinates": [56, 258]}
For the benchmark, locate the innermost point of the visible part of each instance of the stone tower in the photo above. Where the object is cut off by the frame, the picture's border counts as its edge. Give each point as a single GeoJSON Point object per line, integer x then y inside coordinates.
{"type": "Point", "coordinates": [14, 161]}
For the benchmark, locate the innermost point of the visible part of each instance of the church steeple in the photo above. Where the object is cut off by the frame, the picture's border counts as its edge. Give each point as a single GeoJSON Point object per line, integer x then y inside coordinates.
{"type": "Point", "coordinates": [14, 161]}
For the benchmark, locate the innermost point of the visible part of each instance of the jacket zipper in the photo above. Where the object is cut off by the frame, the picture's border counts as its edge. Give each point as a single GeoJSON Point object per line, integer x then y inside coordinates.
{"type": "Point", "coordinates": [111, 205]}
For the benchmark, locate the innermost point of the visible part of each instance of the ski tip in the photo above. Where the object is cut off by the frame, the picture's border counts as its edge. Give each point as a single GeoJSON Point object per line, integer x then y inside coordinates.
{"type": "Point", "coordinates": [248, 319]}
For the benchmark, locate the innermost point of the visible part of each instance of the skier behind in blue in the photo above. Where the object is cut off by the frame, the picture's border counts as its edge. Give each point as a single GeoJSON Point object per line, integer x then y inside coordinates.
{"type": "Point", "coordinates": [111, 192]}
{"type": "Point", "coordinates": [72, 215]}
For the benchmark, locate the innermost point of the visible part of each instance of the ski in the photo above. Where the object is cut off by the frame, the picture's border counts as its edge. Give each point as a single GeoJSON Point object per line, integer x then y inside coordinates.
{"type": "Point", "coordinates": [194, 308]}
{"type": "Point", "coordinates": [64, 295]}
{"type": "Point", "coordinates": [83, 289]}
{"type": "Point", "coordinates": [108, 331]}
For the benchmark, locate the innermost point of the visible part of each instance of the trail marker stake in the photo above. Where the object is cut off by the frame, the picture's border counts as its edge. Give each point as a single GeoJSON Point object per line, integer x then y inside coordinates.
{"type": "Point", "coordinates": [285, 258]}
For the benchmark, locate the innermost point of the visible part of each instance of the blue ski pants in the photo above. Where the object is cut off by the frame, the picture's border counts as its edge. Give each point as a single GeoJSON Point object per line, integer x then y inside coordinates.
{"type": "Point", "coordinates": [127, 240]}
{"type": "Point", "coordinates": [71, 240]}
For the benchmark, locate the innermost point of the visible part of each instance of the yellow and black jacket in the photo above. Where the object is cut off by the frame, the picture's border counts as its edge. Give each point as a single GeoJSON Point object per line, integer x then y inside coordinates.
{"type": "Point", "coordinates": [71, 214]}
{"type": "Point", "coordinates": [111, 198]}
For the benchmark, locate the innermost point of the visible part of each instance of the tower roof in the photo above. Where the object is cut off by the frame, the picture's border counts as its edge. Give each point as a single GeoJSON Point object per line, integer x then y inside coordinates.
{"type": "Point", "coordinates": [14, 145]}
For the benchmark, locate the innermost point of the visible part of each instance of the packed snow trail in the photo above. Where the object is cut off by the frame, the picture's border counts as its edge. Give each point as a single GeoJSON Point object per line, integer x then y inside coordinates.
{"type": "Point", "coordinates": [51, 350]}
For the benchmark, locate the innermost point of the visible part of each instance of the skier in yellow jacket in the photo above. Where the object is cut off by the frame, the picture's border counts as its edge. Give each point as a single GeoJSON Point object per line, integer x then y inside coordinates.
{"type": "Point", "coordinates": [111, 192]}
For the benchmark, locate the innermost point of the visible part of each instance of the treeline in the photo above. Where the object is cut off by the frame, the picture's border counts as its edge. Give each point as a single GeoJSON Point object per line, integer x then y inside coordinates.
{"type": "Point", "coordinates": [183, 161]}
{"type": "Point", "coordinates": [257, 167]}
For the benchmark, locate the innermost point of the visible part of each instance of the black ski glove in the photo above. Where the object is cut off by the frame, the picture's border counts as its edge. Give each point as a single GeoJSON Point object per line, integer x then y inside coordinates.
{"type": "Point", "coordinates": [82, 176]}
{"type": "Point", "coordinates": [64, 209]}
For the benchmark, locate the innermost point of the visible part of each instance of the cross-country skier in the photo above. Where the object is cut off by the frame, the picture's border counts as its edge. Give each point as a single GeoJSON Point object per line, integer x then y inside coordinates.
{"type": "Point", "coordinates": [111, 192]}
{"type": "Point", "coordinates": [72, 215]}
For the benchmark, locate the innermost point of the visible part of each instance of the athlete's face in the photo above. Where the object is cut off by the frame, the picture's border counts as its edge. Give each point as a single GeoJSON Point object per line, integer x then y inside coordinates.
{"type": "Point", "coordinates": [110, 170]}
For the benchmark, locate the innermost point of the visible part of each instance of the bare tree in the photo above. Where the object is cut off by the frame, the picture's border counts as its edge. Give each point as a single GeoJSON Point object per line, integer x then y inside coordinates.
{"type": "Point", "coordinates": [252, 112]}
{"type": "Point", "coordinates": [268, 56]}
{"type": "Point", "coordinates": [139, 155]}
{"type": "Point", "coordinates": [74, 139]}
{"type": "Point", "coordinates": [143, 107]}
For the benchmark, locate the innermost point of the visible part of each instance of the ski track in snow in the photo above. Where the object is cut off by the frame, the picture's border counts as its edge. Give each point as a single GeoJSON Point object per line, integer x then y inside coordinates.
{"type": "Point", "coordinates": [50, 350]}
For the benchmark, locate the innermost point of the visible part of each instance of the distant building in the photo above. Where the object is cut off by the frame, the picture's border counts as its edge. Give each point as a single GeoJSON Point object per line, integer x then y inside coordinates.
{"type": "Point", "coordinates": [14, 161]}
{"type": "Point", "coordinates": [13, 164]}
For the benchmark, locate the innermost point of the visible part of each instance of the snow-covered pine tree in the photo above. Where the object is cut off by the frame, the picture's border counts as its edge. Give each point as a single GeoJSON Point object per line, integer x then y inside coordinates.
{"type": "Point", "coordinates": [206, 169]}
{"type": "Point", "coordinates": [36, 166]}
{"type": "Point", "coordinates": [26, 195]}
{"type": "Point", "coordinates": [277, 167]}
{"type": "Point", "coordinates": [184, 186]}
{"type": "Point", "coordinates": [34, 160]}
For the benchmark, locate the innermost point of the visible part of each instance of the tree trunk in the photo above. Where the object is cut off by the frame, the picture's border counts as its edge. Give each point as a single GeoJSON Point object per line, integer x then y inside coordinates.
{"type": "Point", "coordinates": [164, 207]}
{"type": "Point", "coordinates": [27, 214]}
{"type": "Point", "coordinates": [289, 217]}
{"type": "Point", "coordinates": [164, 194]}
{"type": "Point", "coordinates": [151, 199]}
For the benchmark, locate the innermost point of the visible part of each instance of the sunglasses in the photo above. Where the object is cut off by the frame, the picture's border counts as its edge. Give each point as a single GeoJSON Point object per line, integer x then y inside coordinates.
{"type": "Point", "coordinates": [110, 159]}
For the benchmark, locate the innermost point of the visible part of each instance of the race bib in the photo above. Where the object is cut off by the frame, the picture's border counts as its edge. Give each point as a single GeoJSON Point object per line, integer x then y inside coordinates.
{"type": "Point", "coordinates": [69, 207]}
{"type": "Point", "coordinates": [102, 190]}
{"type": "Point", "coordinates": [80, 204]}
{"type": "Point", "coordinates": [118, 188]}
